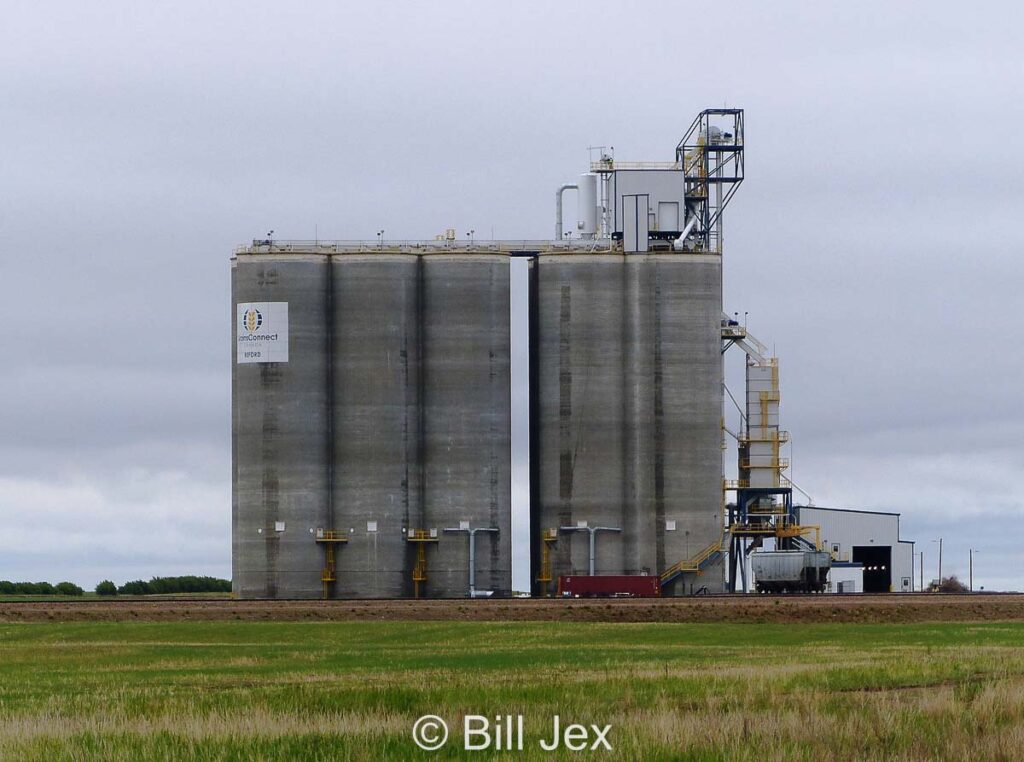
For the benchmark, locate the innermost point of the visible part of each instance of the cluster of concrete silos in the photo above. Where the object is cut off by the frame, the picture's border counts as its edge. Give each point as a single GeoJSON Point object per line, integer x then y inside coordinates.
{"type": "Point", "coordinates": [389, 421]}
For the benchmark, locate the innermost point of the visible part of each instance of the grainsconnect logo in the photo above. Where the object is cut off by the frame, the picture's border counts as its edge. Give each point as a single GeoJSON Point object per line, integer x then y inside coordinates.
{"type": "Point", "coordinates": [252, 319]}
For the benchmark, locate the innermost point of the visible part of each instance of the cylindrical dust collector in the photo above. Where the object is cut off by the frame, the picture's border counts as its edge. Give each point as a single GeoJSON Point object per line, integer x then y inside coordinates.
{"type": "Point", "coordinates": [587, 209]}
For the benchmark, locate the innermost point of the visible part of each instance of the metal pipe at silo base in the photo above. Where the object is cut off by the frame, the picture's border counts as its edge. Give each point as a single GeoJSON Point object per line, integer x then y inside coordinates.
{"type": "Point", "coordinates": [471, 534]}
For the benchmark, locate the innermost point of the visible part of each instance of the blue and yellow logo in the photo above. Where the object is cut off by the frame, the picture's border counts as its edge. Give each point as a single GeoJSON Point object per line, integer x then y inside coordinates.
{"type": "Point", "coordinates": [252, 319]}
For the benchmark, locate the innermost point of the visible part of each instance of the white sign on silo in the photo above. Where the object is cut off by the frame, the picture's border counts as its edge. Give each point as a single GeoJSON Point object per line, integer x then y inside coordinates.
{"type": "Point", "coordinates": [261, 332]}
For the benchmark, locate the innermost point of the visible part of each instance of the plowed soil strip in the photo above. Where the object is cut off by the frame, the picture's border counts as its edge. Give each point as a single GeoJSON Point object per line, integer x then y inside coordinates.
{"type": "Point", "coordinates": [855, 608]}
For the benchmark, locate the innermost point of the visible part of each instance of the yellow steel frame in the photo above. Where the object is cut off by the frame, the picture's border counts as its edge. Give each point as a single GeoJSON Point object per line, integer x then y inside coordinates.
{"type": "Point", "coordinates": [780, 529]}
{"type": "Point", "coordinates": [547, 538]}
{"type": "Point", "coordinates": [419, 572]}
{"type": "Point", "coordinates": [692, 565]}
{"type": "Point", "coordinates": [329, 538]}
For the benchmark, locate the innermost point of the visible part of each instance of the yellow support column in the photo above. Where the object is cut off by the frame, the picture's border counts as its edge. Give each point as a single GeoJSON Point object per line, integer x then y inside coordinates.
{"type": "Point", "coordinates": [419, 571]}
{"type": "Point", "coordinates": [547, 538]}
{"type": "Point", "coordinates": [329, 538]}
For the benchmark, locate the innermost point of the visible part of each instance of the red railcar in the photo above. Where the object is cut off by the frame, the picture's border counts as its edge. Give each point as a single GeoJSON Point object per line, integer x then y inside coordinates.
{"type": "Point", "coordinates": [610, 586]}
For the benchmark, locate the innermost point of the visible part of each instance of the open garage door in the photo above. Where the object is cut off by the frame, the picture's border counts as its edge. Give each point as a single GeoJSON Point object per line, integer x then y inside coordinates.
{"type": "Point", "coordinates": [877, 562]}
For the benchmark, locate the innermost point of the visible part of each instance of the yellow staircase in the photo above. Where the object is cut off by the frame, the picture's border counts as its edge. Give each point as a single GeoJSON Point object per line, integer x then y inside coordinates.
{"type": "Point", "coordinates": [694, 565]}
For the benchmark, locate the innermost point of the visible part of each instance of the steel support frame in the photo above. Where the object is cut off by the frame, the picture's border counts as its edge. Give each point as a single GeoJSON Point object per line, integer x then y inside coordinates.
{"type": "Point", "coordinates": [715, 164]}
{"type": "Point", "coordinates": [747, 531]}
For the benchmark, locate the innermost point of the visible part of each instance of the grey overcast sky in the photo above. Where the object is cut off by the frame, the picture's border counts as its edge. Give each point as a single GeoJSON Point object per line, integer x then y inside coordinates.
{"type": "Point", "coordinates": [876, 243]}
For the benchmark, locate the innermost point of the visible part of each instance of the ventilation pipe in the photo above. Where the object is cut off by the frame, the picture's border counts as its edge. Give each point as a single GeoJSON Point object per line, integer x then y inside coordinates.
{"type": "Point", "coordinates": [558, 208]}
{"type": "Point", "coordinates": [679, 242]}
{"type": "Point", "coordinates": [592, 565]}
{"type": "Point", "coordinates": [473, 592]}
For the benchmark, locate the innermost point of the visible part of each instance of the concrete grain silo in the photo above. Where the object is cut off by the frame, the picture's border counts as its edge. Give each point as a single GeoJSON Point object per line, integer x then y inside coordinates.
{"type": "Point", "coordinates": [627, 396]}
{"type": "Point", "coordinates": [377, 421]}
{"type": "Point", "coordinates": [467, 421]}
{"type": "Point", "coordinates": [376, 442]}
{"type": "Point", "coordinates": [626, 372]}
{"type": "Point", "coordinates": [280, 423]}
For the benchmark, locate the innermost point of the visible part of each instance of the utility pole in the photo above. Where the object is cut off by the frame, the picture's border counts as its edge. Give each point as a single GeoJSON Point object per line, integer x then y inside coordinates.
{"type": "Point", "coordinates": [970, 566]}
{"type": "Point", "coordinates": [940, 558]}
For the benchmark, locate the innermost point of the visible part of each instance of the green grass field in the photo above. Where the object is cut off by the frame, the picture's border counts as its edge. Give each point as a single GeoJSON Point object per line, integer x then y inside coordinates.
{"type": "Point", "coordinates": [326, 691]}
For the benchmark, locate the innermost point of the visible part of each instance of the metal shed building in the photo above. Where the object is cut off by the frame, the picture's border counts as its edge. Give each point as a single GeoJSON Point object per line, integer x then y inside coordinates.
{"type": "Point", "coordinates": [869, 538]}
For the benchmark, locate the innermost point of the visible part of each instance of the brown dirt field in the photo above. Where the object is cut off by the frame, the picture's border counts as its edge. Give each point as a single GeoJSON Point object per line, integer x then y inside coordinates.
{"type": "Point", "coordinates": [822, 608]}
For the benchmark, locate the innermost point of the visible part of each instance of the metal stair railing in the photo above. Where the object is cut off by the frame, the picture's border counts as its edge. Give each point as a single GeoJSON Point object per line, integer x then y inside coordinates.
{"type": "Point", "coordinates": [694, 564]}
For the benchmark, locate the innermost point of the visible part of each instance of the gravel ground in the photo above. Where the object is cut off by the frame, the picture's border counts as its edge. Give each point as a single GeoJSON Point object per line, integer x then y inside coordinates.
{"type": "Point", "coordinates": [751, 608]}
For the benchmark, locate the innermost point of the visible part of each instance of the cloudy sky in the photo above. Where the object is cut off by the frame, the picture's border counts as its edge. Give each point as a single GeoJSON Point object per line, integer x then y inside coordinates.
{"type": "Point", "coordinates": [875, 244]}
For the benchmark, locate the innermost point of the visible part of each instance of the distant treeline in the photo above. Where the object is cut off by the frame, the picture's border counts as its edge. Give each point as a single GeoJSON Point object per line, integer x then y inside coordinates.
{"type": "Point", "coordinates": [39, 588]}
{"type": "Point", "coordinates": [169, 586]}
{"type": "Point", "coordinates": [156, 586]}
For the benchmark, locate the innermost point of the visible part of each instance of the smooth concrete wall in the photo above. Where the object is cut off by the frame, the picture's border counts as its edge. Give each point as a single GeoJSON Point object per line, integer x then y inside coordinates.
{"type": "Point", "coordinates": [392, 414]}
{"type": "Point", "coordinates": [467, 420]}
{"type": "Point", "coordinates": [377, 476]}
{"type": "Point", "coordinates": [626, 410]}
{"type": "Point", "coordinates": [395, 408]}
{"type": "Point", "coordinates": [280, 434]}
